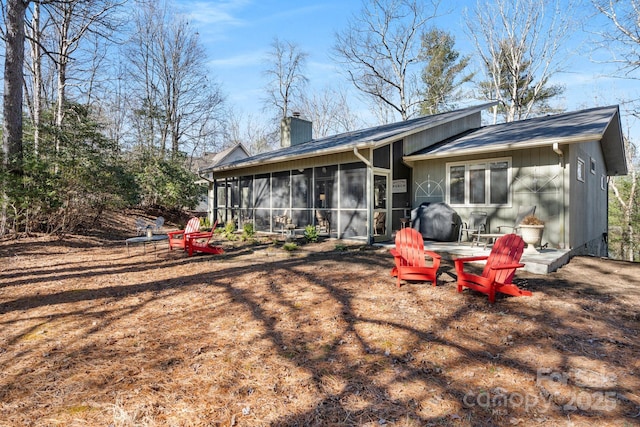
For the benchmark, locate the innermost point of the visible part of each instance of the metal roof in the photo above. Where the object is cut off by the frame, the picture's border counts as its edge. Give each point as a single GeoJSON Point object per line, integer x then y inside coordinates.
{"type": "Point", "coordinates": [594, 124]}
{"type": "Point", "coordinates": [364, 138]}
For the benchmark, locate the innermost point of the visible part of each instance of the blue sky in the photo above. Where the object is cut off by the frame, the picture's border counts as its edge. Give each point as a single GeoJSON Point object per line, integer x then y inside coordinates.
{"type": "Point", "coordinates": [237, 35]}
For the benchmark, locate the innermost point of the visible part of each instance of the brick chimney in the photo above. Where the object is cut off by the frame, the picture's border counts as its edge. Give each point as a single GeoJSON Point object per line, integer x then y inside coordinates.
{"type": "Point", "coordinates": [294, 130]}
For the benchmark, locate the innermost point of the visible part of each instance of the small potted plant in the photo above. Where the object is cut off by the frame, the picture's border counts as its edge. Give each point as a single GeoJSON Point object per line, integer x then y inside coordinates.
{"type": "Point", "coordinates": [531, 229]}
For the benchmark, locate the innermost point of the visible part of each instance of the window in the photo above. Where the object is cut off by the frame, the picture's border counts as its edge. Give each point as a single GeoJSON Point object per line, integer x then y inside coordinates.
{"type": "Point", "coordinates": [479, 183]}
{"type": "Point", "coordinates": [381, 158]}
{"type": "Point", "coordinates": [593, 166]}
{"type": "Point", "coordinates": [456, 185]}
{"type": "Point", "coordinates": [580, 170]}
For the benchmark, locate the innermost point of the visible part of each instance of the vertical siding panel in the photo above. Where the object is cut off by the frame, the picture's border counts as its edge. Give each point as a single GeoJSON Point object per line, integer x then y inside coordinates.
{"type": "Point", "coordinates": [536, 179]}
{"type": "Point", "coordinates": [588, 205]}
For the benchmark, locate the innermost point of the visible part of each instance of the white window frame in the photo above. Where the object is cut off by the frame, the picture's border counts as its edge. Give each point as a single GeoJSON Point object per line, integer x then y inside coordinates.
{"type": "Point", "coordinates": [467, 192]}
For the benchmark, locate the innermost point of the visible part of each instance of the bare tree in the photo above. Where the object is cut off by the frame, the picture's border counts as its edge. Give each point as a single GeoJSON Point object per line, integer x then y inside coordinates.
{"type": "Point", "coordinates": [623, 42]}
{"type": "Point", "coordinates": [13, 95]}
{"type": "Point", "coordinates": [329, 111]}
{"type": "Point", "coordinates": [285, 64]}
{"type": "Point", "coordinates": [256, 137]}
{"type": "Point", "coordinates": [625, 192]}
{"type": "Point", "coordinates": [179, 103]}
{"type": "Point", "coordinates": [73, 20]}
{"type": "Point", "coordinates": [36, 55]}
{"type": "Point", "coordinates": [143, 75]}
{"type": "Point", "coordinates": [380, 52]}
{"type": "Point", "coordinates": [519, 43]}
{"type": "Point", "coordinates": [12, 151]}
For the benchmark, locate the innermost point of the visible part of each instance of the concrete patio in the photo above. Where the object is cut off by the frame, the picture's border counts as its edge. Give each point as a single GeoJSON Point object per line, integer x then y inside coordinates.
{"type": "Point", "coordinates": [544, 262]}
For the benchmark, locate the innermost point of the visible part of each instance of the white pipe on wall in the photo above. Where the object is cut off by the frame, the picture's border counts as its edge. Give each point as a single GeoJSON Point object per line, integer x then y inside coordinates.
{"type": "Point", "coordinates": [560, 153]}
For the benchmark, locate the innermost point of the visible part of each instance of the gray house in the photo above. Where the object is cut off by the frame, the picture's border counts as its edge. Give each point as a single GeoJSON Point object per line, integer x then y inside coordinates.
{"type": "Point", "coordinates": [363, 184]}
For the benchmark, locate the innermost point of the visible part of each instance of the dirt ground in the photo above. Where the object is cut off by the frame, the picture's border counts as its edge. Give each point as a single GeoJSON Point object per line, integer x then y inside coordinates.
{"type": "Point", "coordinates": [91, 335]}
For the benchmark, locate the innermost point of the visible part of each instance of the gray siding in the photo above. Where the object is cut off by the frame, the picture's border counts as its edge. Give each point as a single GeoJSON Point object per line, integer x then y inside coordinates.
{"type": "Point", "coordinates": [536, 179]}
{"type": "Point", "coordinates": [236, 154]}
{"type": "Point", "coordinates": [588, 219]}
{"type": "Point", "coordinates": [434, 135]}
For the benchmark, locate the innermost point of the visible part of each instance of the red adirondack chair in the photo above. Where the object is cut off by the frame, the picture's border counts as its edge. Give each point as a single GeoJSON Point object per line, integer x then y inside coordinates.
{"type": "Point", "coordinates": [409, 256]}
{"type": "Point", "coordinates": [199, 242]}
{"type": "Point", "coordinates": [499, 270]}
{"type": "Point", "coordinates": [178, 239]}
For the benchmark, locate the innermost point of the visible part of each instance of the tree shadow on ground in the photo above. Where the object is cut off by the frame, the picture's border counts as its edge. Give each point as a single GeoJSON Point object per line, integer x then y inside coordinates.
{"type": "Point", "coordinates": [313, 340]}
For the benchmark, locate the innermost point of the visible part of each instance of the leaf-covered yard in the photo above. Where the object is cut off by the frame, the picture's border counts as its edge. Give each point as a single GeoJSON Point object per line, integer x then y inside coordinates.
{"type": "Point", "coordinates": [92, 335]}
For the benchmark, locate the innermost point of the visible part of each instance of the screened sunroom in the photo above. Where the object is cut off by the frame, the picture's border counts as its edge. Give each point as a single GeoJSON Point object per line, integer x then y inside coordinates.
{"type": "Point", "coordinates": [332, 198]}
{"type": "Point", "coordinates": [353, 185]}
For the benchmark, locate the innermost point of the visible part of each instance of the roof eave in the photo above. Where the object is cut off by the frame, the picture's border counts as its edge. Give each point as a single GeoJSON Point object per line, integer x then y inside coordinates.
{"type": "Point", "coordinates": [503, 147]}
{"type": "Point", "coordinates": [616, 164]}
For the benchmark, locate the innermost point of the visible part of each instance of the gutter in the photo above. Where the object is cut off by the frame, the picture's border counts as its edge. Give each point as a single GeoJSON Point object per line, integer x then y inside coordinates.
{"type": "Point", "coordinates": [361, 157]}
{"type": "Point", "coordinates": [205, 178]}
{"type": "Point", "coordinates": [556, 149]}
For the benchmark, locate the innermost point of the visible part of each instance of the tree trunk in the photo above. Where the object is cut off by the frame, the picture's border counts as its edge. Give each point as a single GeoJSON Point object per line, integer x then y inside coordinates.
{"type": "Point", "coordinates": [63, 60]}
{"type": "Point", "coordinates": [13, 79]}
{"type": "Point", "coordinates": [12, 100]}
{"type": "Point", "coordinates": [37, 76]}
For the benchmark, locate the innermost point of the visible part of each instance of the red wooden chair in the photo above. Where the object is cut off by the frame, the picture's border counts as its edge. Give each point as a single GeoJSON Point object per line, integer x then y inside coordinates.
{"type": "Point", "coordinates": [199, 242]}
{"type": "Point", "coordinates": [499, 270]}
{"type": "Point", "coordinates": [409, 256]}
{"type": "Point", "coordinates": [178, 239]}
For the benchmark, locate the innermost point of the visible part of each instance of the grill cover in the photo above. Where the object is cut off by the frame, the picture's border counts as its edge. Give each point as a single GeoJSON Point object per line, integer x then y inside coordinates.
{"type": "Point", "coordinates": [436, 221]}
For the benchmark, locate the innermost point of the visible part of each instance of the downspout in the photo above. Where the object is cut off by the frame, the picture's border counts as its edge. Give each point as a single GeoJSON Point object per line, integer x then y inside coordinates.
{"type": "Point", "coordinates": [560, 153]}
{"type": "Point", "coordinates": [369, 193]}
{"type": "Point", "coordinates": [210, 196]}
{"type": "Point", "coordinates": [361, 157]}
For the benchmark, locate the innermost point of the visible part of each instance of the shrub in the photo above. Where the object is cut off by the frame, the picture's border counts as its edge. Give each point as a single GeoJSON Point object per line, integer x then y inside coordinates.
{"type": "Point", "coordinates": [311, 233]}
{"type": "Point", "coordinates": [230, 229]}
{"type": "Point", "coordinates": [205, 223]}
{"type": "Point", "coordinates": [291, 246]}
{"type": "Point", "coordinates": [247, 231]}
